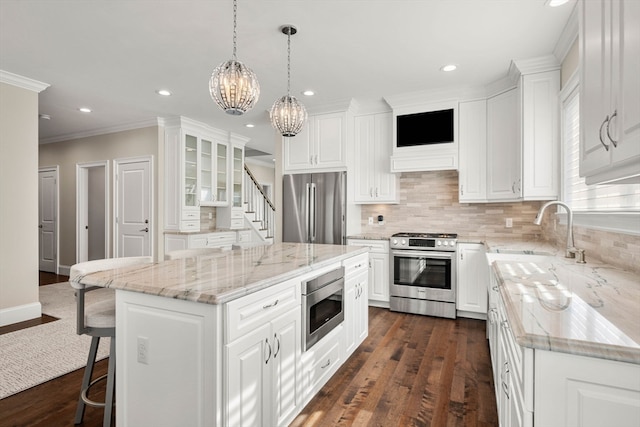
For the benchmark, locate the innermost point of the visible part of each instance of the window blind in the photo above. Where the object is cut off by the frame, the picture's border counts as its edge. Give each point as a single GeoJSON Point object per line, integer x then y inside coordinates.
{"type": "Point", "coordinates": [578, 195]}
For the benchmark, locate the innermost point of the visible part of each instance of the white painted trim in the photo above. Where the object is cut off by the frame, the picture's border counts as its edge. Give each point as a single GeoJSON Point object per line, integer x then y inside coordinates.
{"type": "Point", "coordinates": [102, 131]}
{"type": "Point", "coordinates": [65, 270]}
{"type": "Point", "coordinates": [263, 163]}
{"type": "Point", "coordinates": [22, 82]}
{"type": "Point", "coordinates": [55, 169]}
{"type": "Point", "coordinates": [20, 313]}
{"type": "Point", "coordinates": [568, 36]}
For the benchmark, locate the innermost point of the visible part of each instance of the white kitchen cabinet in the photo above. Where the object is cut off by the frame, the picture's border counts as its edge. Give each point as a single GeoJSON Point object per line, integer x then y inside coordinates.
{"type": "Point", "coordinates": [472, 139]}
{"type": "Point", "coordinates": [222, 240]}
{"type": "Point", "coordinates": [321, 145]}
{"type": "Point", "coordinates": [190, 172]}
{"type": "Point", "coordinates": [263, 359]}
{"type": "Point", "coordinates": [609, 90]}
{"type": "Point", "coordinates": [540, 135]}
{"type": "Point", "coordinates": [356, 304]}
{"type": "Point", "coordinates": [232, 217]}
{"type": "Point", "coordinates": [585, 391]}
{"type": "Point", "coordinates": [374, 182]}
{"type": "Point", "coordinates": [379, 269]}
{"type": "Point", "coordinates": [503, 147]}
{"type": "Point", "coordinates": [473, 275]}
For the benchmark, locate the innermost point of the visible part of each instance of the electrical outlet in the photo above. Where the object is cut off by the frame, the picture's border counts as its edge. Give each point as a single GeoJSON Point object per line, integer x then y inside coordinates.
{"type": "Point", "coordinates": [509, 223]}
{"type": "Point", "coordinates": [370, 220]}
{"type": "Point", "coordinates": [143, 350]}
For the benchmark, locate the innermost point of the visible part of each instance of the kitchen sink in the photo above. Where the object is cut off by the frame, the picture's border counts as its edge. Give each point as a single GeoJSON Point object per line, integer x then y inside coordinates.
{"type": "Point", "coordinates": [521, 252]}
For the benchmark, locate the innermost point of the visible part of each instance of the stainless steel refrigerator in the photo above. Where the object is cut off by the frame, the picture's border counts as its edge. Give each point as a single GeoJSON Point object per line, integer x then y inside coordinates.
{"type": "Point", "coordinates": [314, 208]}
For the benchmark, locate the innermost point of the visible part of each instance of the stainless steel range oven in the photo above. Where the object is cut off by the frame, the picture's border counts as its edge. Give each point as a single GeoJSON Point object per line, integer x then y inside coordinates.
{"type": "Point", "coordinates": [424, 274]}
{"type": "Point", "coordinates": [322, 305]}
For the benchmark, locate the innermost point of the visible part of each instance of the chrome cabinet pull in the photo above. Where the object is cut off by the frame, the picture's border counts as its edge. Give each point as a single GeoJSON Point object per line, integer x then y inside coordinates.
{"type": "Point", "coordinates": [266, 341]}
{"type": "Point", "coordinates": [606, 147]}
{"type": "Point", "coordinates": [613, 141]}
{"type": "Point", "coordinates": [326, 364]}
{"type": "Point", "coordinates": [276, 340]}
{"type": "Point", "coordinates": [462, 190]}
{"type": "Point", "coordinates": [264, 307]}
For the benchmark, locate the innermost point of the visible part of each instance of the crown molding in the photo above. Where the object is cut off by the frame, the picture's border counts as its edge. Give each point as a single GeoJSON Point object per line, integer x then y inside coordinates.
{"type": "Point", "coordinates": [22, 82]}
{"type": "Point", "coordinates": [568, 36]}
{"type": "Point", "coordinates": [102, 131]}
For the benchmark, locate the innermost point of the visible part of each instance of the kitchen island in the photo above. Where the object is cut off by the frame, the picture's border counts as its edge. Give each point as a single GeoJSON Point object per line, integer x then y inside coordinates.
{"type": "Point", "coordinates": [217, 340]}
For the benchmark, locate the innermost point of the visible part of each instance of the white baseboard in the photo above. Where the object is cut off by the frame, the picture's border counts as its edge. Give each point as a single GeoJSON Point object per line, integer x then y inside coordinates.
{"type": "Point", "coordinates": [64, 270]}
{"type": "Point", "coordinates": [471, 315]}
{"type": "Point", "coordinates": [376, 303]}
{"type": "Point", "coordinates": [11, 315]}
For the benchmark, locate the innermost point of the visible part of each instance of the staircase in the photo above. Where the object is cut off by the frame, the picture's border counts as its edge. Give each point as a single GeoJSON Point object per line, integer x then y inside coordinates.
{"type": "Point", "coordinates": [259, 211]}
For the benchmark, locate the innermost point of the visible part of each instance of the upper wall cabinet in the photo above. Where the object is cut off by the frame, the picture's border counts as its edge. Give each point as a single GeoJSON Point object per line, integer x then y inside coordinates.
{"type": "Point", "coordinates": [321, 145]}
{"type": "Point", "coordinates": [374, 182]}
{"type": "Point", "coordinates": [232, 215]}
{"type": "Point", "coordinates": [509, 143]}
{"type": "Point", "coordinates": [610, 90]}
{"type": "Point", "coordinates": [196, 172]}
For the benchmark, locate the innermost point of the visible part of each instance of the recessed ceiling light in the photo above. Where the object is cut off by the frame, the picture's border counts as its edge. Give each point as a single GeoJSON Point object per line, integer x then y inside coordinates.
{"type": "Point", "coordinates": [449, 67]}
{"type": "Point", "coordinates": [250, 125]}
{"type": "Point", "coordinates": [556, 3]}
{"type": "Point", "coordinates": [308, 93]}
{"type": "Point", "coordinates": [163, 92]}
{"type": "Point", "coordinates": [85, 109]}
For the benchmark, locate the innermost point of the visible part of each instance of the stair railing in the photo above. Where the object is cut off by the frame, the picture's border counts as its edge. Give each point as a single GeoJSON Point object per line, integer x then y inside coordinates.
{"type": "Point", "coordinates": [259, 203]}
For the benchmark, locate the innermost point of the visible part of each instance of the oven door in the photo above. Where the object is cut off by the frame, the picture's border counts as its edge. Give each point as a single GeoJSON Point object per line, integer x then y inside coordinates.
{"type": "Point", "coordinates": [426, 275]}
{"type": "Point", "coordinates": [323, 311]}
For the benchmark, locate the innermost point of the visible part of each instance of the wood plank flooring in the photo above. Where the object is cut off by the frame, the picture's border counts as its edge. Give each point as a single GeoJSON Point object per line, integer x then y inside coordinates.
{"type": "Point", "coordinates": [411, 371]}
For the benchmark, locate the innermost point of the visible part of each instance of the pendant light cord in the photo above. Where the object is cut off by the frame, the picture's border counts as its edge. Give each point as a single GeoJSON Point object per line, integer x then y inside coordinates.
{"type": "Point", "coordinates": [289, 63]}
{"type": "Point", "coordinates": [235, 12]}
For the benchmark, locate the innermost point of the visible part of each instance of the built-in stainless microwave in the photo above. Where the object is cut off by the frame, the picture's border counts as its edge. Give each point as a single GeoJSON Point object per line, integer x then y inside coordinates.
{"type": "Point", "coordinates": [322, 305]}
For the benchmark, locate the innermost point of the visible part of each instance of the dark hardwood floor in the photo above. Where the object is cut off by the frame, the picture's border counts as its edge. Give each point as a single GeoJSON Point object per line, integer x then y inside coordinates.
{"type": "Point", "coordinates": [411, 371]}
{"type": "Point", "coordinates": [51, 278]}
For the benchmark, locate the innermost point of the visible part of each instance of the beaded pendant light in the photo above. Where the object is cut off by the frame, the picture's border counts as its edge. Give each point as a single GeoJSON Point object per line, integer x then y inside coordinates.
{"type": "Point", "coordinates": [287, 113]}
{"type": "Point", "coordinates": [233, 85]}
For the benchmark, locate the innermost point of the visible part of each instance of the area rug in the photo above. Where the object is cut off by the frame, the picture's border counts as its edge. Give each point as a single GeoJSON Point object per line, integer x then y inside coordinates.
{"type": "Point", "coordinates": [35, 355]}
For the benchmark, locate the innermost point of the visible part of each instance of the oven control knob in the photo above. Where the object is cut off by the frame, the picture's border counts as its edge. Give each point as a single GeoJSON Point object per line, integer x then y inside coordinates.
{"type": "Point", "coordinates": [446, 243]}
{"type": "Point", "coordinates": [439, 243]}
{"type": "Point", "coordinates": [403, 242]}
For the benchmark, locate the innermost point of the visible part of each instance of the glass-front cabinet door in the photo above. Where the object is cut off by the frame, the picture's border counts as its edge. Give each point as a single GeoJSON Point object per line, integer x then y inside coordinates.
{"type": "Point", "coordinates": [222, 174]}
{"type": "Point", "coordinates": [237, 177]}
{"type": "Point", "coordinates": [206, 172]}
{"type": "Point", "coordinates": [190, 171]}
{"type": "Point", "coordinates": [214, 173]}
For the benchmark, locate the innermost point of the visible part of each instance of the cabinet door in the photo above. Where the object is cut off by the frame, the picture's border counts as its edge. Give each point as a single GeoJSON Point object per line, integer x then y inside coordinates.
{"type": "Point", "coordinates": [237, 172]}
{"type": "Point", "coordinates": [297, 150]}
{"type": "Point", "coordinates": [503, 147]}
{"type": "Point", "coordinates": [472, 138]}
{"type": "Point", "coordinates": [385, 182]}
{"type": "Point", "coordinates": [286, 333]}
{"type": "Point", "coordinates": [364, 158]}
{"type": "Point", "coordinates": [247, 378]}
{"type": "Point", "coordinates": [595, 83]}
{"type": "Point", "coordinates": [221, 194]}
{"type": "Point", "coordinates": [190, 172]}
{"type": "Point", "coordinates": [362, 310]}
{"type": "Point", "coordinates": [206, 172]}
{"type": "Point", "coordinates": [350, 312]}
{"type": "Point", "coordinates": [328, 140]}
{"type": "Point", "coordinates": [379, 277]}
{"type": "Point", "coordinates": [473, 275]}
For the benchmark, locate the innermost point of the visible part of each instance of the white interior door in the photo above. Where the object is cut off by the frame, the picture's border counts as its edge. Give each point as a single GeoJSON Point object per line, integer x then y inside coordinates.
{"type": "Point", "coordinates": [133, 207]}
{"type": "Point", "coordinates": [47, 217]}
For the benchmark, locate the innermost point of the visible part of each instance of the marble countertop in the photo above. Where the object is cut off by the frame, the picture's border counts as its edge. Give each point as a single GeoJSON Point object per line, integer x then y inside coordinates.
{"type": "Point", "coordinates": [369, 236]}
{"type": "Point", "coordinates": [217, 230]}
{"type": "Point", "coordinates": [553, 303]}
{"type": "Point", "coordinates": [224, 276]}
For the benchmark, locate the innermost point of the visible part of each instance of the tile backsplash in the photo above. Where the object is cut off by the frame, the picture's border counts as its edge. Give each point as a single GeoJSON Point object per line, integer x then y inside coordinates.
{"type": "Point", "coordinates": [429, 203]}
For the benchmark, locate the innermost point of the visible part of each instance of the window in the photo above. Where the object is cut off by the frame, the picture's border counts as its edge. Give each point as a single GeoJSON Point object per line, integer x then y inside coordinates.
{"type": "Point", "coordinates": [614, 207]}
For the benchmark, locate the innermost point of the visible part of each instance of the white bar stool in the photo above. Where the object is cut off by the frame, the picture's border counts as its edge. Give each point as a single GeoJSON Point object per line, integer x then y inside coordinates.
{"type": "Point", "coordinates": [98, 320]}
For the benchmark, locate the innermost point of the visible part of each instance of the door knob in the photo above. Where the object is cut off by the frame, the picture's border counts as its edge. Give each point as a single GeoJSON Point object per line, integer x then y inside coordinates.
{"type": "Point", "coordinates": [146, 229]}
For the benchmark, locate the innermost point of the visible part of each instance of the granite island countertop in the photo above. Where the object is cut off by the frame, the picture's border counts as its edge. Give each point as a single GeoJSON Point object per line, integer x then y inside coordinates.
{"type": "Point", "coordinates": [223, 276]}
{"type": "Point", "coordinates": [553, 303]}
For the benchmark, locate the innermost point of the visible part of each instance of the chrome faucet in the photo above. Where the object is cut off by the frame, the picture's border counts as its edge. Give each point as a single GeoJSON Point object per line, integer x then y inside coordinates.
{"type": "Point", "coordinates": [571, 249]}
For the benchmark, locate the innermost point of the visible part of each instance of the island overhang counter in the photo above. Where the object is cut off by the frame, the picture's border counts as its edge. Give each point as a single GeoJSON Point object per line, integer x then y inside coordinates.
{"type": "Point", "coordinates": [216, 340]}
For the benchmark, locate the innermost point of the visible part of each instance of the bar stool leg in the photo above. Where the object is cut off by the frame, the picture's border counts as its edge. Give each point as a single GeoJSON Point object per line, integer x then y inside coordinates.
{"type": "Point", "coordinates": [88, 371]}
{"type": "Point", "coordinates": [111, 376]}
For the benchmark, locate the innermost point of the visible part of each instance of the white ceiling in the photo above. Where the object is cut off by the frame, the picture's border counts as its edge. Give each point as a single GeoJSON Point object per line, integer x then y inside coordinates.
{"type": "Point", "coordinates": [113, 55]}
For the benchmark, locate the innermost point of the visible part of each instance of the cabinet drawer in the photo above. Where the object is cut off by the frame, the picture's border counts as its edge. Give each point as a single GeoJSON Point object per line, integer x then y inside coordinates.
{"type": "Point", "coordinates": [237, 213]}
{"type": "Point", "coordinates": [321, 361]}
{"type": "Point", "coordinates": [190, 225]}
{"type": "Point", "coordinates": [252, 311]}
{"type": "Point", "coordinates": [237, 223]}
{"type": "Point", "coordinates": [355, 265]}
{"type": "Point", "coordinates": [215, 240]}
{"type": "Point", "coordinates": [380, 246]}
{"type": "Point", "coordinates": [190, 215]}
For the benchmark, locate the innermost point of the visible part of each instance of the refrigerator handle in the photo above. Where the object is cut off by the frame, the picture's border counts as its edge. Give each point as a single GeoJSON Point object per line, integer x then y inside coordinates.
{"type": "Point", "coordinates": [307, 217]}
{"type": "Point", "coordinates": [312, 227]}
